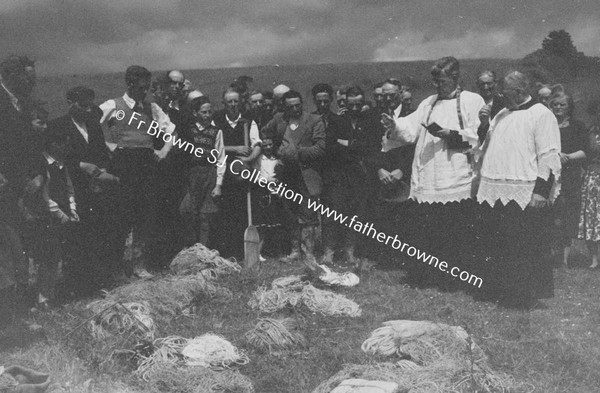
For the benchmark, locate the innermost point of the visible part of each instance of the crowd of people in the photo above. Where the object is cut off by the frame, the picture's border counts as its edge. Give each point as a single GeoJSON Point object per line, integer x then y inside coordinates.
{"type": "Point", "coordinates": [484, 181]}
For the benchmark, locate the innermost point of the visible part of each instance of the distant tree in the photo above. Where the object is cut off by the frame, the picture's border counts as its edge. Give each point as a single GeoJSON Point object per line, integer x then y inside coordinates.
{"type": "Point", "coordinates": [559, 57]}
{"type": "Point", "coordinates": [559, 44]}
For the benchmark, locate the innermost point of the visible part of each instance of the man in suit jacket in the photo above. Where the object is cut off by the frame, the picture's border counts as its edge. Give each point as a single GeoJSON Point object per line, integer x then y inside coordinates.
{"type": "Point", "coordinates": [300, 141]}
{"type": "Point", "coordinates": [487, 84]}
{"type": "Point", "coordinates": [88, 154]}
{"type": "Point", "coordinates": [87, 159]}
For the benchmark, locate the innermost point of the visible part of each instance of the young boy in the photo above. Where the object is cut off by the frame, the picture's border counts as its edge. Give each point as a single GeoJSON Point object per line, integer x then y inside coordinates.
{"type": "Point", "coordinates": [204, 171]}
{"type": "Point", "coordinates": [49, 208]}
{"type": "Point", "coordinates": [270, 214]}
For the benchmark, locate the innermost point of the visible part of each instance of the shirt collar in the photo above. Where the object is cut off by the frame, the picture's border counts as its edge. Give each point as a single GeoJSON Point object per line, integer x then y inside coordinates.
{"type": "Point", "coordinates": [51, 160]}
{"type": "Point", "coordinates": [82, 128]}
{"type": "Point", "coordinates": [128, 100]}
{"type": "Point", "coordinates": [13, 99]}
{"type": "Point", "coordinates": [200, 127]}
{"type": "Point", "coordinates": [397, 111]}
{"type": "Point", "coordinates": [529, 102]}
{"type": "Point", "coordinates": [452, 95]}
{"type": "Point", "coordinates": [233, 121]}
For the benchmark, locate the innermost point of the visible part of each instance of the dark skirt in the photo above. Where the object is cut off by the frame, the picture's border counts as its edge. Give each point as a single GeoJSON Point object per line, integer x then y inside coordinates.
{"type": "Point", "coordinates": [513, 261]}
{"type": "Point", "coordinates": [446, 231]}
{"type": "Point", "coordinates": [567, 206]}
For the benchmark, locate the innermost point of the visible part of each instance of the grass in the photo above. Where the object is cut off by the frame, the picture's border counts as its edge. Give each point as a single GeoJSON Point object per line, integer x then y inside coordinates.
{"type": "Point", "coordinates": [555, 349]}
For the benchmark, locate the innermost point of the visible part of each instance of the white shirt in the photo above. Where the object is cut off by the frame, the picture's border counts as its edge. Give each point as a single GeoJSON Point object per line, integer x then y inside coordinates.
{"type": "Point", "coordinates": [388, 144]}
{"type": "Point", "coordinates": [397, 111]}
{"type": "Point", "coordinates": [521, 146]}
{"type": "Point", "coordinates": [109, 109]}
{"type": "Point", "coordinates": [440, 174]}
{"type": "Point", "coordinates": [53, 206]}
{"type": "Point", "coordinates": [13, 99]}
{"type": "Point", "coordinates": [267, 167]}
{"type": "Point", "coordinates": [82, 130]}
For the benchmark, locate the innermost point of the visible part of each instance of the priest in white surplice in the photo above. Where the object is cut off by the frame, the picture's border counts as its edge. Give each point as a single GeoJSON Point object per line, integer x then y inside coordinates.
{"type": "Point", "coordinates": [443, 182]}
{"type": "Point", "coordinates": [520, 178]}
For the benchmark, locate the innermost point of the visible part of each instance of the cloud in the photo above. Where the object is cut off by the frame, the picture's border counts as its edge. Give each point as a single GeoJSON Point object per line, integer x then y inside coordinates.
{"type": "Point", "coordinates": [107, 35]}
{"type": "Point", "coordinates": [417, 46]}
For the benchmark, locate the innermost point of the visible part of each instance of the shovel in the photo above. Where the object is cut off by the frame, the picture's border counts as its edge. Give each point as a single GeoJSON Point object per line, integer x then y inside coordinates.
{"type": "Point", "coordinates": [251, 237]}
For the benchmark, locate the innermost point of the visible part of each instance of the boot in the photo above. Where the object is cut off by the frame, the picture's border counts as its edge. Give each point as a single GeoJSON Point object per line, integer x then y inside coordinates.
{"type": "Point", "coordinates": [328, 254]}
{"type": "Point", "coordinates": [349, 258]}
{"type": "Point", "coordinates": [296, 254]}
{"type": "Point", "coordinates": [308, 248]}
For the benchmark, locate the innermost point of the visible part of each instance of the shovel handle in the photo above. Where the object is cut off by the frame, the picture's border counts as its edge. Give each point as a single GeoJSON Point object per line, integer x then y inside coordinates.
{"type": "Point", "coordinates": [248, 197]}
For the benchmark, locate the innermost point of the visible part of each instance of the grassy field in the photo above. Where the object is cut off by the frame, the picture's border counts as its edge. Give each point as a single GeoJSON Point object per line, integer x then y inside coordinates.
{"type": "Point", "coordinates": [555, 349]}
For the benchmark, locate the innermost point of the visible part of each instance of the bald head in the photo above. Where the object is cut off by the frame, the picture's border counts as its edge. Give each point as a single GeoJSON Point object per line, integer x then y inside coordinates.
{"type": "Point", "coordinates": [193, 95]}
{"type": "Point", "coordinates": [175, 81]}
{"type": "Point", "coordinates": [515, 88]}
{"type": "Point", "coordinates": [280, 90]}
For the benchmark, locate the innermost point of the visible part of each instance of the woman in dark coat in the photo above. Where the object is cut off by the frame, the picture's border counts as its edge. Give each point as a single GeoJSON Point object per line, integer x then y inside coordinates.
{"type": "Point", "coordinates": [573, 141]}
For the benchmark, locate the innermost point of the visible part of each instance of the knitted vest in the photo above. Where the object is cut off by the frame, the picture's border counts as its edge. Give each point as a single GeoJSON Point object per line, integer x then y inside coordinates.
{"type": "Point", "coordinates": [128, 135]}
{"type": "Point", "coordinates": [204, 139]}
{"type": "Point", "coordinates": [231, 136]}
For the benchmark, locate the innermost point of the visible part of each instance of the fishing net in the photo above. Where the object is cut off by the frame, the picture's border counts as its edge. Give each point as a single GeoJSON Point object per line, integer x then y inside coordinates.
{"type": "Point", "coordinates": [199, 258]}
{"type": "Point", "coordinates": [213, 351]}
{"type": "Point", "coordinates": [329, 303]}
{"type": "Point", "coordinates": [293, 291]}
{"type": "Point", "coordinates": [432, 358]}
{"type": "Point", "coordinates": [166, 377]}
{"type": "Point", "coordinates": [121, 319]}
{"type": "Point", "coordinates": [149, 303]}
{"type": "Point", "coordinates": [167, 350]}
{"type": "Point", "coordinates": [276, 334]}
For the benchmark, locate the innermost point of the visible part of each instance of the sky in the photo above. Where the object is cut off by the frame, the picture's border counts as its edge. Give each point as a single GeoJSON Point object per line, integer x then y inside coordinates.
{"type": "Point", "coordinates": [79, 37]}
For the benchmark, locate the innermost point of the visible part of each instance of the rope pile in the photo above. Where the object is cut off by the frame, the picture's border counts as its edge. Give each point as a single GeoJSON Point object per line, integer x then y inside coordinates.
{"type": "Point", "coordinates": [7, 381]}
{"type": "Point", "coordinates": [121, 319]}
{"type": "Point", "coordinates": [330, 277]}
{"type": "Point", "coordinates": [167, 377]}
{"type": "Point", "coordinates": [273, 333]}
{"type": "Point", "coordinates": [207, 351]}
{"type": "Point", "coordinates": [212, 351]}
{"type": "Point", "coordinates": [292, 291]}
{"type": "Point", "coordinates": [167, 350]}
{"type": "Point", "coordinates": [199, 258]}
{"type": "Point", "coordinates": [433, 358]}
{"type": "Point", "coordinates": [149, 302]}
{"type": "Point", "coordinates": [329, 303]}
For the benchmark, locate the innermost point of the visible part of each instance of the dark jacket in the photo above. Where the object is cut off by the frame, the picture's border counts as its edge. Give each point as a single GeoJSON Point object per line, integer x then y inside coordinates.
{"type": "Point", "coordinates": [94, 151]}
{"type": "Point", "coordinates": [498, 104]}
{"type": "Point", "coordinates": [309, 139]}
